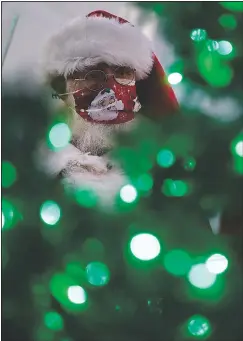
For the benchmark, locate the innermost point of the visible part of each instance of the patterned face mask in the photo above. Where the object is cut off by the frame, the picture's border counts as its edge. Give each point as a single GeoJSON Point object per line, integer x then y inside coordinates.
{"type": "Point", "coordinates": [114, 104]}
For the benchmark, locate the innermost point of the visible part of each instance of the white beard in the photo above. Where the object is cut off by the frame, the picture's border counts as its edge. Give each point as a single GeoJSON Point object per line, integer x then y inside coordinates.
{"type": "Point", "coordinates": [81, 166]}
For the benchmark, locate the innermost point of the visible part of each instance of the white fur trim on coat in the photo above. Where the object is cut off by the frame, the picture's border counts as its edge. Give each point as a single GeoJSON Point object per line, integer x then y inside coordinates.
{"type": "Point", "coordinates": [87, 41]}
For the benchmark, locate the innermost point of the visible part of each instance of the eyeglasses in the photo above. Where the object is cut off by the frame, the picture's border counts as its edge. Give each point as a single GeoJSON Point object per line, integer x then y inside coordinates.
{"type": "Point", "coordinates": [95, 80]}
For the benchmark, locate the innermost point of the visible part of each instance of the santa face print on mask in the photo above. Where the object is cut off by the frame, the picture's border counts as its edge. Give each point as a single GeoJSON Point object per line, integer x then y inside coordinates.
{"type": "Point", "coordinates": [114, 102]}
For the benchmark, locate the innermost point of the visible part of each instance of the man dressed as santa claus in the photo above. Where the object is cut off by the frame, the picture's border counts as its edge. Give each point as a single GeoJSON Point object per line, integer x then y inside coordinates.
{"type": "Point", "coordinates": [105, 71]}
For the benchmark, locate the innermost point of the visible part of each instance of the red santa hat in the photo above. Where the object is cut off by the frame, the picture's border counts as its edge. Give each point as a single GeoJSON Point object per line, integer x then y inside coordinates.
{"type": "Point", "coordinates": [104, 37]}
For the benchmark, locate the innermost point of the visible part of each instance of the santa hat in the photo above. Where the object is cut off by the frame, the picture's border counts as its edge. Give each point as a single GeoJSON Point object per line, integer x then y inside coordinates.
{"type": "Point", "coordinates": [104, 37]}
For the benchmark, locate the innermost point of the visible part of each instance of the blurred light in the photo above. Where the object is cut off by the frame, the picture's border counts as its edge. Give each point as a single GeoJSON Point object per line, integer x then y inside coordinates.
{"type": "Point", "coordinates": [175, 78]}
{"type": "Point", "coordinates": [144, 182]}
{"type": "Point", "coordinates": [217, 263]}
{"type": "Point", "coordinates": [77, 294]}
{"type": "Point", "coordinates": [3, 220]}
{"type": "Point", "coordinates": [165, 158]}
{"type": "Point", "coordinates": [50, 212]}
{"type": "Point", "coordinates": [175, 188]}
{"type": "Point", "coordinates": [236, 6]}
{"type": "Point", "coordinates": [225, 47]}
{"type": "Point", "coordinates": [190, 164]}
{"type": "Point", "coordinates": [97, 273]}
{"type": "Point", "coordinates": [239, 148]}
{"type": "Point", "coordinates": [9, 174]}
{"type": "Point", "coordinates": [228, 21]}
{"type": "Point", "coordinates": [198, 34]}
{"type": "Point", "coordinates": [8, 214]}
{"type": "Point", "coordinates": [60, 135]}
{"type": "Point", "coordinates": [198, 326]}
{"type": "Point", "coordinates": [212, 45]}
{"type": "Point", "coordinates": [212, 69]}
{"type": "Point", "coordinates": [53, 321]}
{"type": "Point", "coordinates": [200, 277]}
{"type": "Point", "coordinates": [177, 262]}
{"type": "Point", "coordinates": [128, 193]}
{"type": "Point", "coordinates": [86, 198]}
{"type": "Point", "coordinates": [145, 246]}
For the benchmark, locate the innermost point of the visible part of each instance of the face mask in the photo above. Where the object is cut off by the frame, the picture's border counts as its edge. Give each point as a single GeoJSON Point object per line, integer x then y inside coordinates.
{"type": "Point", "coordinates": [114, 104]}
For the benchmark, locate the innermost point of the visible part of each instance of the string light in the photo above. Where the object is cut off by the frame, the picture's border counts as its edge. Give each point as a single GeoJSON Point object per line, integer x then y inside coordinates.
{"type": "Point", "coordinates": [199, 326]}
{"type": "Point", "coordinates": [9, 174]}
{"type": "Point", "coordinates": [53, 321]}
{"type": "Point", "coordinates": [217, 263]}
{"type": "Point", "coordinates": [175, 78]}
{"type": "Point", "coordinates": [228, 21]}
{"type": "Point", "coordinates": [50, 212]}
{"type": "Point", "coordinates": [145, 246]}
{"type": "Point", "coordinates": [97, 273]}
{"type": "Point", "coordinates": [165, 158]}
{"type": "Point", "coordinates": [236, 6]}
{"type": "Point", "coordinates": [177, 262]}
{"type": "Point", "coordinates": [212, 45]}
{"type": "Point", "coordinates": [128, 193]}
{"type": "Point", "coordinates": [200, 277]}
{"type": "Point", "coordinates": [224, 48]}
{"type": "Point", "coordinates": [239, 148]}
{"type": "Point", "coordinates": [144, 182]}
{"type": "Point", "coordinates": [60, 135]}
{"type": "Point", "coordinates": [198, 34]}
{"type": "Point", "coordinates": [77, 294]}
{"type": "Point", "coordinates": [3, 220]}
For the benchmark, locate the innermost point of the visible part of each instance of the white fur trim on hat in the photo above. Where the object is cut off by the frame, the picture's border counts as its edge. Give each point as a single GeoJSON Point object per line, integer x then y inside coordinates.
{"type": "Point", "coordinates": [91, 40]}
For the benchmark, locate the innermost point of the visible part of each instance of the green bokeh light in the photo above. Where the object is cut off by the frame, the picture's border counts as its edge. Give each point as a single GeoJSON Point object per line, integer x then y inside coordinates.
{"type": "Point", "coordinates": [177, 262]}
{"type": "Point", "coordinates": [8, 214]}
{"type": "Point", "coordinates": [144, 182]}
{"type": "Point", "coordinates": [211, 67]}
{"type": "Point", "coordinates": [9, 174]}
{"type": "Point", "coordinates": [175, 78]}
{"type": "Point", "coordinates": [128, 193]}
{"type": "Point", "coordinates": [225, 47]}
{"type": "Point", "coordinates": [212, 45]}
{"type": "Point", "coordinates": [165, 158]}
{"type": "Point", "coordinates": [53, 321]}
{"type": "Point", "coordinates": [50, 212]}
{"type": "Point", "coordinates": [145, 246]}
{"type": "Point", "coordinates": [200, 277]}
{"type": "Point", "coordinates": [86, 198]}
{"type": "Point", "coordinates": [76, 294]}
{"type": "Point", "coordinates": [190, 164]}
{"type": "Point", "coordinates": [198, 326]}
{"type": "Point", "coordinates": [198, 34]}
{"type": "Point", "coordinates": [236, 6]}
{"type": "Point", "coordinates": [228, 21]}
{"type": "Point", "coordinates": [60, 135]}
{"type": "Point", "coordinates": [97, 273]}
{"type": "Point", "coordinates": [217, 263]}
{"type": "Point", "coordinates": [175, 188]}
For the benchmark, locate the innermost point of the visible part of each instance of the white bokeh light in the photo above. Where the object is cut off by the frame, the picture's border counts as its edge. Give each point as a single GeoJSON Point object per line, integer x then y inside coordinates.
{"type": "Point", "coordinates": [200, 277]}
{"type": "Point", "coordinates": [145, 246]}
{"type": "Point", "coordinates": [77, 294]}
{"type": "Point", "coordinates": [50, 212]}
{"type": "Point", "coordinates": [225, 47]}
{"type": "Point", "coordinates": [175, 78]}
{"type": "Point", "coordinates": [3, 220]}
{"type": "Point", "coordinates": [60, 135]}
{"type": "Point", "coordinates": [128, 193]}
{"type": "Point", "coordinates": [239, 148]}
{"type": "Point", "coordinates": [217, 263]}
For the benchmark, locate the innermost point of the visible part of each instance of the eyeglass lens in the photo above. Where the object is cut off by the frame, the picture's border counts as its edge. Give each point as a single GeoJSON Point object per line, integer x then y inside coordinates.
{"type": "Point", "coordinates": [96, 79]}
